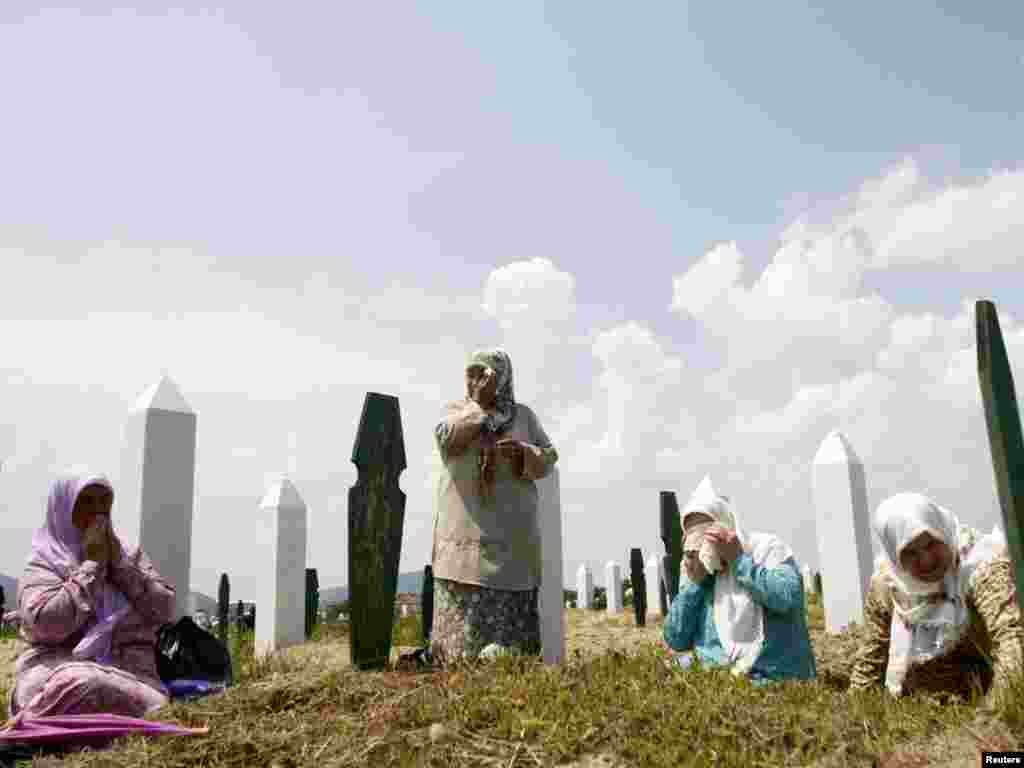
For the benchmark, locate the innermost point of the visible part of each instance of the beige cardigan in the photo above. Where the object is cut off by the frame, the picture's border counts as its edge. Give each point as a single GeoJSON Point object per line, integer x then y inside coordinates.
{"type": "Point", "coordinates": [493, 542]}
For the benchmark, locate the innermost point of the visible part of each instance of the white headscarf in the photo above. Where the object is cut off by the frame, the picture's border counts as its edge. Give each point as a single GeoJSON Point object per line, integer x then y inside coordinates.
{"type": "Point", "coordinates": [739, 619]}
{"type": "Point", "coordinates": [928, 619]}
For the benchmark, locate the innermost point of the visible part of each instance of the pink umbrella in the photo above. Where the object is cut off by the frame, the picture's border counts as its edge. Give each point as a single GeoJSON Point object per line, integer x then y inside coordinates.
{"type": "Point", "coordinates": [71, 729]}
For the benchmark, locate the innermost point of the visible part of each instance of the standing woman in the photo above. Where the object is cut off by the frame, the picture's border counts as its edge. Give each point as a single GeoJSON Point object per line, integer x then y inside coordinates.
{"type": "Point", "coordinates": [486, 555]}
{"type": "Point", "coordinates": [88, 611]}
{"type": "Point", "coordinates": [940, 616]}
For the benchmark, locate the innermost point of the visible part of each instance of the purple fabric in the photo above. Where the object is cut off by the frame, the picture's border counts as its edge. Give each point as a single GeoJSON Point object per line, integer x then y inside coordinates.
{"type": "Point", "coordinates": [70, 729]}
{"type": "Point", "coordinates": [58, 544]}
{"type": "Point", "coordinates": [193, 689]}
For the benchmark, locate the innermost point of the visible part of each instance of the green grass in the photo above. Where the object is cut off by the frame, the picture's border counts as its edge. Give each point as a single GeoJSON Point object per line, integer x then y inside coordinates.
{"type": "Point", "coordinates": [294, 711]}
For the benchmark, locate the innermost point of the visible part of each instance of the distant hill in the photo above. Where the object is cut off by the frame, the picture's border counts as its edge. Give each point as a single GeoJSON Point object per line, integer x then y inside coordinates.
{"type": "Point", "coordinates": [10, 591]}
{"type": "Point", "coordinates": [407, 582]}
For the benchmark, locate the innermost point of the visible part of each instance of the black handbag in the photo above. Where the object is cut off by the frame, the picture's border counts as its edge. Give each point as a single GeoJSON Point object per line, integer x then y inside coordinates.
{"type": "Point", "coordinates": [185, 651]}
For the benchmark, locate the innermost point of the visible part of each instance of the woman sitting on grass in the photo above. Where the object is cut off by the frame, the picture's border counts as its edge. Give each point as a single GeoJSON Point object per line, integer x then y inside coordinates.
{"type": "Point", "coordinates": [89, 612]}
{"type": "Point", "coordinates": [741, 605]}
{"type": "Point", "coordinates": [940, 615]}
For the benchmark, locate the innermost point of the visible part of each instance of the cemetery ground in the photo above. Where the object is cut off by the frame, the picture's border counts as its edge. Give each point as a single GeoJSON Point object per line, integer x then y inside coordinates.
{"type": "Point", "coordinates": [614, 703]}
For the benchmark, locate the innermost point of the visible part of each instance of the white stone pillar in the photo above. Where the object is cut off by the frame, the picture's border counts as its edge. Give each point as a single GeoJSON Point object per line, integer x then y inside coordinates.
{"type": "Point", "coordinates": [808, 576]}
{"type": "Point", "coordinates": [844, 541]}
{"type": "Point", "coordinates": [584, 588]}
{"type": "Point", "coordinates": [279, 540]}
{"type": "Point", "coordinates": [551, 597]}
{"type": "Point", "coordinates": [153, 499]}
{"type": "Point", "coordinates": [653, 576]}
{"type": "Point", "coordinates": [613, 587]}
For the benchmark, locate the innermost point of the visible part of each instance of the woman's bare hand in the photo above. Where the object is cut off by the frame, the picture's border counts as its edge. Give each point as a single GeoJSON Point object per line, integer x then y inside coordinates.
{"type": "Point", "coordinates": [727, 543]}
{"type": "Point", "coordinates": [96, 544]}
{"type": "Point", "coordinates": [514, 453]}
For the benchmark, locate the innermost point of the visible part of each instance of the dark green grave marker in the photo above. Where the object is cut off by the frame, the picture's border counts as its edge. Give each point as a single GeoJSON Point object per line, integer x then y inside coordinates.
{"type": "Point", "coordinates": [427, 603]}
{"type": "Point", "coordinates": [1002, 417]}
{"type": "Point", "coordinates": [672, 536]}
{"type": "Point", "coordinates": [312, 601]}
{"type": "Point", "coordinates": [376, 514]}
{"type": "Point", "coordinates": [639, 583]}
{"type": "Point", "coordinates": [223, 603]}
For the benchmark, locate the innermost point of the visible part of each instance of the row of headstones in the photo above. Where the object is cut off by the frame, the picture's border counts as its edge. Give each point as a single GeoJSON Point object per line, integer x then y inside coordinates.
{"type": "Point", "coordinates": [841, 500]}
{"type": "Point", "coordinates": [653, 582]}
{"type": "Point", "coordinates": [156, 508]}
{"type": "Point", "coordinates": [246, 620]}
{"type": "Point", "coordinates": [158, 489]}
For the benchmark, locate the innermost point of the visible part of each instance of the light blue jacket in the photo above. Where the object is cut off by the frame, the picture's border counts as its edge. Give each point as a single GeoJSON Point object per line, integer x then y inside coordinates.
{"type": "Point", "coordinates": [786, 654]}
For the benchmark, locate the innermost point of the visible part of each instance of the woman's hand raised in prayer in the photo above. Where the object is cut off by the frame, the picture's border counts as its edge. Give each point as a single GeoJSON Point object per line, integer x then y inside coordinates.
{"type": "Point", "coordinates": [97, 544]}
{"type": "Point", "coordinates": [726, 542]}
{"type": "Point", "coordinates": [514, 453]}
{"type": "Point", "coordinates": [482, 385]}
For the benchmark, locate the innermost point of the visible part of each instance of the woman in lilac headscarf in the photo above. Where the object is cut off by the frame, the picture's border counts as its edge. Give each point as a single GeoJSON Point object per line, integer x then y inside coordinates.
{"type": "Point", "coordinates": [88, 611]}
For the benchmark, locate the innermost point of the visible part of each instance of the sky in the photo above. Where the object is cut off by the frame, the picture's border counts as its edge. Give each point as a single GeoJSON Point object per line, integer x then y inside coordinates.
{"type": "Point", "coordinates": [706, 236]}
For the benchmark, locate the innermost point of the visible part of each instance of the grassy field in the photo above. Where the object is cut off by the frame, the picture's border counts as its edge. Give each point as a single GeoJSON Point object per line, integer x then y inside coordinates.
{"type": "Point", "coordinates": [615, 703]}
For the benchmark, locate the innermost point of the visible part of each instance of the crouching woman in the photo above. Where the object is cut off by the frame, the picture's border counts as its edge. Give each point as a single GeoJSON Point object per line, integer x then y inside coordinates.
{"type": "Point", "coordinates": [741, 605]}
{"type": "Point", "coordinates": [940, 615]}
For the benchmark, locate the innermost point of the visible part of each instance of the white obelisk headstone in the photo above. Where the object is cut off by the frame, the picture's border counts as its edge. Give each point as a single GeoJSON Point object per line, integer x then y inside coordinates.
{"type": "Point", "coordinates": [808, 576]}
{"type": "Point", "coordinates": [613, 587]}
{"type": "Point", "coordinates": [153, 500]}
{"type": "Point", "coordinates": [552, 595]}
{"type": "Point", "coordinates": [653, 576]}
{"type": "Point", "coordinates": [844, 543]}
{"type": "Point", "coordinates": [279, 539]}
{"type": "Point", "coordinates": [584, 588]}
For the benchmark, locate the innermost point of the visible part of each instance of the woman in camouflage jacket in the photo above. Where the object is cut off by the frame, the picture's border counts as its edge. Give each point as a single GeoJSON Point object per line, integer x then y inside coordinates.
{"type": "Point", "coordinates": [941, 615]}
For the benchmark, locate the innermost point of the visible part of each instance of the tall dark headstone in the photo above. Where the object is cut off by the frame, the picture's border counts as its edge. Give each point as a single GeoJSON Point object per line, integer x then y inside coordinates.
{"type": "Point", "coordinates": [639, 583]}
{"type": "Point", "coordinates": [672, 536]}
{"type": "Point", "coordinates": [1002, 417]}
{"type": "Point", "coordinates": [427, 603]}
{"type": "Point", "coordinates": [376, 515]}
{"type": "Point", "coordinates": [817, 584]}
{"type": "Point", "coordinates": [663, 597]}
{"type": "Point", "coordinates": [312, 600]}
{"type": "Point", "coordinates": [223, 604]}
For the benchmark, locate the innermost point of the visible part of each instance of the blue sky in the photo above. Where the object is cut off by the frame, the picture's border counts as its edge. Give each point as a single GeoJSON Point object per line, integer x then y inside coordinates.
{"type": "Point", "coordinates": [287, 208]}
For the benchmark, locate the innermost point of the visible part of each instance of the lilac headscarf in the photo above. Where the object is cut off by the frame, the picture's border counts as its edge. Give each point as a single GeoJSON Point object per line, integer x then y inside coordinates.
{"type": "Point", "coordinates": [57, 545]}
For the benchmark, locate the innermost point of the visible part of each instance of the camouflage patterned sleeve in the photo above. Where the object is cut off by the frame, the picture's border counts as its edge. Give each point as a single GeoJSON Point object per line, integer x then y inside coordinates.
{"type": "Point", "coordinates": [991, 590]}
{"type": "Point", "coordinates": [873, 656]}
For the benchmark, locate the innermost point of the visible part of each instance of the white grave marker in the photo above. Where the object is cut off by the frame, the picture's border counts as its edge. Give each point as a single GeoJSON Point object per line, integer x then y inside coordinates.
{"type": "Point", "coordinates": [584, 588]}
{"type": "Point", "coordinates": [808, 577]}
{"type": "Point", "coordinates": [154, 495]}
{"type": "Point", "coordinates": [653, 577]}
{"type": "Point", "coordinates": [279, 535]}
{"type": "Point", "coordinates": [613, 587]}
{"type": "Point", "coordinates": [552, 616]}
{"type": "Point", "coordinates": [844, 543]}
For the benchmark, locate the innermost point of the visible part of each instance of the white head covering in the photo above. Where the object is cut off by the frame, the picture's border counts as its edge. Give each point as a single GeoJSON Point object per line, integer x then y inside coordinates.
{"type": "Point", "coordinates": [739, 619]}
{"type": "Point", "coordinates": [928, 619]}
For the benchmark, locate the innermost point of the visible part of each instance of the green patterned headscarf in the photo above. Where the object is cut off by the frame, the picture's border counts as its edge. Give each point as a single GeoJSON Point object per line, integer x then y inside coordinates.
{"type": "Point", "coordinates": [505, 401]}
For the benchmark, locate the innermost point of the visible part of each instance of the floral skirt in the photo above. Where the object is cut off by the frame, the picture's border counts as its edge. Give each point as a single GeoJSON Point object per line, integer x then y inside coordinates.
{"type": "Point", "coordinates": [468, 618]}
